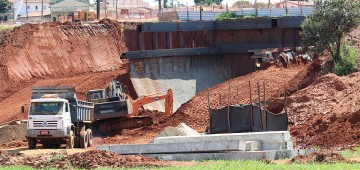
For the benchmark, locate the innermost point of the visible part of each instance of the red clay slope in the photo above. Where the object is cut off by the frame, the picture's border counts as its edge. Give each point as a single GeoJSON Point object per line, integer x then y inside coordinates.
{"type": "Point", "coordinates": [60, 50]}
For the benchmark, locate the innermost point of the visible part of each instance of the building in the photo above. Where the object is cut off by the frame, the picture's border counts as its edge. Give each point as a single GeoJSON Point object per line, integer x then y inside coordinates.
{"type": "Point", "coordinates": [34, 7]}
{"type": "Point", "coordinates": [127, 3]}
{"type": "Point", "coordinates": [65, 9]}
{"type": "Point", "coordinates": [294, 4]}
{"type": "Point", "coordinates": [35, 16]}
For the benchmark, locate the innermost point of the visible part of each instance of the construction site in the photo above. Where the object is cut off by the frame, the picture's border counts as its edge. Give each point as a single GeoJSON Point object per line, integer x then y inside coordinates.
{"type": "Point", "coordinates": [179, 93]}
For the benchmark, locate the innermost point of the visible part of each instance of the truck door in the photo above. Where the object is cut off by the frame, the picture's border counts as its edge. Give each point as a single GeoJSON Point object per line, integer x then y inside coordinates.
{"type": "Point", "coordinates": [67, 113]}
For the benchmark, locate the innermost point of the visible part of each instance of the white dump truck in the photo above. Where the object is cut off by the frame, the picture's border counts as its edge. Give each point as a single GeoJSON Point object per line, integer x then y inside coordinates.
{"type": "Point", "coordinates": [56, 117]}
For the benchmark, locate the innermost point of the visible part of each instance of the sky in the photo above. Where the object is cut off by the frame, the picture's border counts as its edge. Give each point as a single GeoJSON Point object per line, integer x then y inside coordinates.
{"type": "Point", "coordinates": [229, 2]}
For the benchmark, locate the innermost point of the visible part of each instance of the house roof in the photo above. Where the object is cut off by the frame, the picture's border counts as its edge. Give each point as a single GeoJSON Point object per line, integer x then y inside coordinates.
{"type": "Point", "coordinates": [36, 14]}
{"type": "Point", "coordinates": [301, 3]}
{"type": "Point", "coordinates": [29, 1]}
{"type": "Point", "coordinates": [69, 5]}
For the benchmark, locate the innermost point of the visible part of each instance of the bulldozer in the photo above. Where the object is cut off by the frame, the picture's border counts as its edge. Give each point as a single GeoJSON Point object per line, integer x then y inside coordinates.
{"type": "Point", "coordinates": [117, 110]}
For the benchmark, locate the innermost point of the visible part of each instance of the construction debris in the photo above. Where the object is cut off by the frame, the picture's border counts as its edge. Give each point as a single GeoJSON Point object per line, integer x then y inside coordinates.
{"type": "Point", "coordinates": [255, 146]}
{"type": "Point", "coordinates": [180, 130]}
{"type": "Point", "coordinates": [322, 157]}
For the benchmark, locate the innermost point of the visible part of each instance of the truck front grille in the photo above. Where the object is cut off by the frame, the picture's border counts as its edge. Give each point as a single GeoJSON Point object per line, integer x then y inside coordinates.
{"type": "Point", "coordinates": [45, 123]}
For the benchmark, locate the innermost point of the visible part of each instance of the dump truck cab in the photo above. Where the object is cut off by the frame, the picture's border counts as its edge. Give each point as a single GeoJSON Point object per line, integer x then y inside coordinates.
{"type": "Point", "coordinates": [56, 116]}
{"type": "Point", "coordinates": [49, 118]}
{"type": "Point", "coordinates": [93, 95]}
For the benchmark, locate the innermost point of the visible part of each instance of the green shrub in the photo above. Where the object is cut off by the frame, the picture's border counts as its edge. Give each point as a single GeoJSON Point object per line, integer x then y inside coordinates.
{"type": "Point", "coordinates": [232, 15]}
{"type": "Point", "coordinates": [226, 16]}
{"type": "Point", "coordinates": [348, 60]}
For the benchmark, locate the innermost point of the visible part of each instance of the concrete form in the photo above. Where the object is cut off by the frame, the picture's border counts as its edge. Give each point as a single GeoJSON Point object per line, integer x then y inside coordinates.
{"type": "Point", "coordinates": [218, 146]}
{"type": "Point", "coordinates": [264, 137]}
{"type": "Point", "coordinates": [234, 155]}
{"type": "Point", "coordinates": [252, 146]}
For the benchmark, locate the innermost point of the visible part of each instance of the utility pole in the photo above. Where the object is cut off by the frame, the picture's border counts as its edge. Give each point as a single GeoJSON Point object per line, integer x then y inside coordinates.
{"type": "Point", "coordinates": [98, 9]}
{"type": "Point", "coordinates": [105, 8]}
{"type": "Point", "coordinates": [116, 10]}
{"type": "Point", "coordinates": [27, 13]}
{"type": "Point", "coordinates": [42, 9]}
{"type": "Point", "coordinates": [159, 6]}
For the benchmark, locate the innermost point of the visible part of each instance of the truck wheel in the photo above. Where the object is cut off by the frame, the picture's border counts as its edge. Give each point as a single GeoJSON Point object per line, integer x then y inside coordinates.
{"type": "Point", "coordinates": [89, 136]}
{"type": "Point", "coordinates": [83, 140]}
{"type": "Point", "coordinates": [77, 142]}
{"type": "Point", "coordinates": [70, 141]}
{"type": "Point", "coordinates": [31, 143]}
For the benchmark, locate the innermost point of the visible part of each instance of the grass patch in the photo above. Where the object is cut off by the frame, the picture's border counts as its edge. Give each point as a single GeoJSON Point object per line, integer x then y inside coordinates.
{"type": "Point", "coordinates": [6, 27]}
{"type": "Point", "coordinates": [15, 168]}
{"type": "Point", "coordinates": [351, 153]}
{"type": "Point", "coordinates": [255, 165]}
{"type": "Point", "coordinates": [348, 60]}
{"type": "Point", "coordinates": [241, 164]}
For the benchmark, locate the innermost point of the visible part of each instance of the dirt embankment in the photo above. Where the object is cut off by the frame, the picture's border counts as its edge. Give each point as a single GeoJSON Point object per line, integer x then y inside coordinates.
{"type": "Point", "coordinates": [87, 160]}
{"type": "Point", "coordinates": [53, 54]}
{"type": "Point", "coordinates": [61, 50]}
{"type": "Point", "coordinates": [327, 113]}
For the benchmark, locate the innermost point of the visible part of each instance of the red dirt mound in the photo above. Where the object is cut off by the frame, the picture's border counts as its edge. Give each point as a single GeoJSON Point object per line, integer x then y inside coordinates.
{"type": "Point", "coordinates": [86, 160]}
{"type": "Point", "coordinates": [327, 113]}
{"type": "Point", "coordinates": [194, 113]}
{"type": "Point", "coordinates": [319, 158]}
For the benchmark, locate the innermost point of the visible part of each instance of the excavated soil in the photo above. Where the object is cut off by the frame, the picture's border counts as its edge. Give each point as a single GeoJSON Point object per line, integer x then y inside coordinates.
{"type": "Point", "coordinates": [326, 157]}
{"type": "Point", "coordinates": [11, 133]}
{"type": "Point", "coordinates": [194, 113]}
{"type": "Point", "coordinates": [61, 50]}
{"type": "Point", "coordinates": [86, 160]}
{"type": "Point", "coordinates": [327, 113]}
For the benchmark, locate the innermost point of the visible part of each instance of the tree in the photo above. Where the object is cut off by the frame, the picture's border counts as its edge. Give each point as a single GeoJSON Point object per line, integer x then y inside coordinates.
{"type": "Point", "coordinates": [242, 4]}
{"type": "Point", "coordinates": [330, 22]}
{"type": "Point", "coordinates": [4, 6]}
{"type": "Point", "coordinates": [207, 2]}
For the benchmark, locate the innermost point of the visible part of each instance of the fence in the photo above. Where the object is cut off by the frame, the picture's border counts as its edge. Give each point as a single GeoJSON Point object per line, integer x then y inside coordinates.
{"type": "Point", "coordinates": [269, 12]}
{"type": "Point", "coordinates": [242, 118]}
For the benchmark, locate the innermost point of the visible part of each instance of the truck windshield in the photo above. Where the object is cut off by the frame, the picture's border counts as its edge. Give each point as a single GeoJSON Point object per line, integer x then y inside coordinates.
{"type": "Point", "coordinates": [46, 108]}
{"type": "Point", "coordinates": [96, 95]}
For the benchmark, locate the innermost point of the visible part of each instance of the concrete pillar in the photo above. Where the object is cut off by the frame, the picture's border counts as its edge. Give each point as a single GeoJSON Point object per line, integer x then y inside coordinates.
{"type": "Point", "coordinates": [155, 42]}
{"type": "Point", "coordinates": [187, 63]}
{"type": "Point", "coordinates": [280, 40]}
{"type": "Point", "coordinates": [168, 40]}
{"type": "Point", "coordinates": [175, 63]}
{"type": "Point", "coordinates": [161, 71]}
{"type": "Point", "coordinates": [141, 41]}
{"type": "Point", "coordinates": [147, 65]}
{"type": "Point", "coordinates": [132, 65]}
{"type": "Point", "coordinates": [181, 39]}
